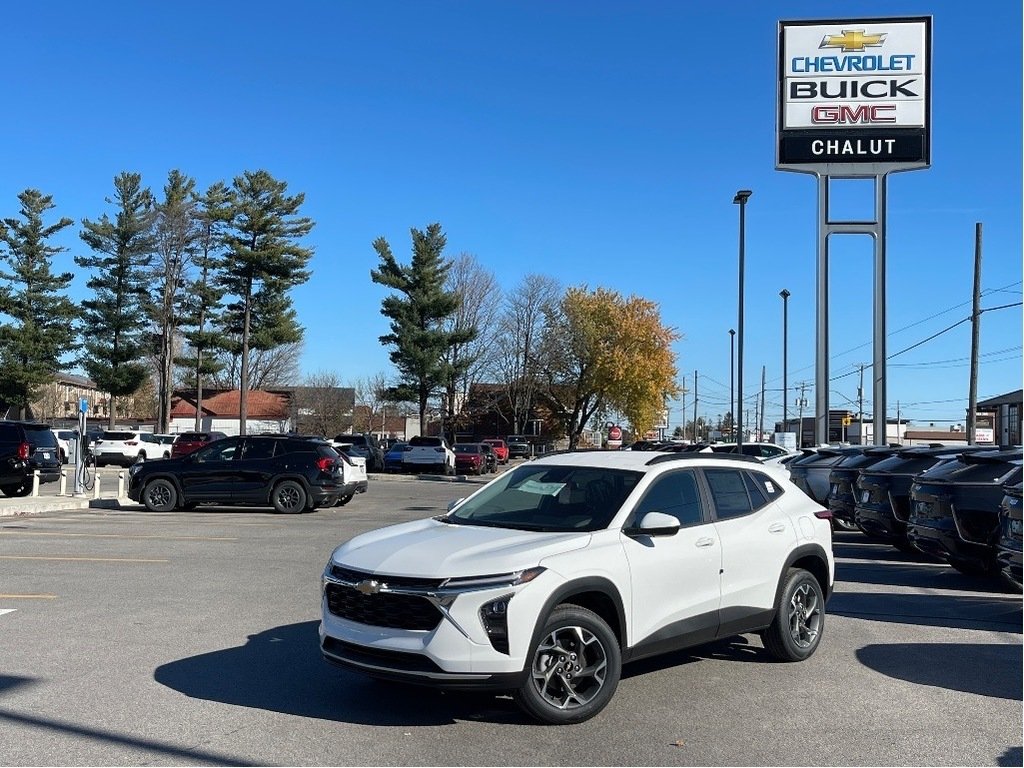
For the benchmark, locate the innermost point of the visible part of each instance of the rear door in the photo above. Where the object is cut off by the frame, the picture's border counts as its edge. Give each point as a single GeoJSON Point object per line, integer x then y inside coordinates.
{"type": "Point", "coordinates": [756, 536]}
{"type": "Point", "coordinates": [256, 468]}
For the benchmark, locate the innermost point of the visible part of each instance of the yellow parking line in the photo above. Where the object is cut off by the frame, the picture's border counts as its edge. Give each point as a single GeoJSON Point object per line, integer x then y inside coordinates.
{"type": "Point", "coordinates": [119, 536]}
{"type": "Point", "coordinates": [82, 559]}
{"type": "Point", "coordinates": [28, 597]}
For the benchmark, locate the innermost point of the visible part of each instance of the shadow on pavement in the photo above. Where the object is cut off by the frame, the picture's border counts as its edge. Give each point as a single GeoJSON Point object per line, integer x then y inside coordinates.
{"type": "Point", "coordinates": [987, 670]}
{"type": "Point", "coordinates": [931, 576]}
{"type": "Point", "coordinates": [738, 648]}
{"type": "Point", "coordinates": [281, 670]}
{"type": "Point", "coordinates": [177, 755]}
{"type": "Point", "coordinates": [998, 614]}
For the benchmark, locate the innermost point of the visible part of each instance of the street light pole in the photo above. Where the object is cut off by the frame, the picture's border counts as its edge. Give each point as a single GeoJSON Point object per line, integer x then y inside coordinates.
{"type": "Point", "coordinates": [741, 200]}
{"type": "Point", "coordinates": [732, 380]}
{"type": "Point", "coordinates": [785, 358]}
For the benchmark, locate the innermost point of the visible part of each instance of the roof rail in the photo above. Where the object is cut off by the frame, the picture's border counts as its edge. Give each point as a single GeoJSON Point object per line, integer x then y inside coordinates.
{"type": "Point", "coordinates": [720, 456]}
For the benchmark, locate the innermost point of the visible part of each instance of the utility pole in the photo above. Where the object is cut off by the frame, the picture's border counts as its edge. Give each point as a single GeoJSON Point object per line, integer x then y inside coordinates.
{"type": "Point", "coordinates": [972, 397]}
{"type": "Point", "coordinates": [860, 406]}
{"type": "Point", "coordinates": [800, 426]}
{"type": "Point", "coordinates": [760, 422]}
{"type": "Point", "coordinates": [695, 406]}
{"type": "Point", "coordinates": [682, 393]}
{"type": "Point", "coordinates": [899, 436]}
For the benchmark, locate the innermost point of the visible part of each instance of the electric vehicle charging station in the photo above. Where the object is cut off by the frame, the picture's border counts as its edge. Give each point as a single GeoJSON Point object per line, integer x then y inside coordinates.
{"type": "Point", "coordinates": [77, 447]}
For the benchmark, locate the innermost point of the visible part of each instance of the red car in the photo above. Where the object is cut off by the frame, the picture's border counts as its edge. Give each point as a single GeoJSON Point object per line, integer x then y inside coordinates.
{"type": "Point", "coordinates": [470, 458]}
{"type": "Point", "coordinates": [190, 441]}
{"type": "Point", "coordinates": [500, 449]}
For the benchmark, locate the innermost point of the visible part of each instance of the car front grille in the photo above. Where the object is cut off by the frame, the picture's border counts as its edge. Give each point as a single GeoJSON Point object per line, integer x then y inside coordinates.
{"type": "Point", "coordinates": [382, 609]}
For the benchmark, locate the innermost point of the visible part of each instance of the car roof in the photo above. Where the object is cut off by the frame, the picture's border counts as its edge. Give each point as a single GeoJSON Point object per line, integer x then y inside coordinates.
{"type": "Point", "coordinates": [644, 461]}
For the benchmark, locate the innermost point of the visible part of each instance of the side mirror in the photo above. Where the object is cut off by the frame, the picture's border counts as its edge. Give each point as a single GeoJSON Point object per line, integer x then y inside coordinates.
{"type": "Point", "coordinates": [454, 503]}
{"type": "Point", "coordinates": [655, 524]}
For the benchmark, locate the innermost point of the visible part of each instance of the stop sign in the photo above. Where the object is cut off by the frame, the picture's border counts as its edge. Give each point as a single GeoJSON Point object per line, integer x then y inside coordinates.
{"type": "Point", "coordinates": [615, 433]}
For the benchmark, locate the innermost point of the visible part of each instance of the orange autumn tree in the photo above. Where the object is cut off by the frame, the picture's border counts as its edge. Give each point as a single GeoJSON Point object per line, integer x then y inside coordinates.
{"type": "Point", "coordinates": [605, 352]}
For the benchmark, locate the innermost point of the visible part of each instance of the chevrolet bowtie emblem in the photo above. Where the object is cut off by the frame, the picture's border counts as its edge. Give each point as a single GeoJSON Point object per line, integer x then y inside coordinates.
{"type": "Point", "coordinates": [852, 40]}
{"type": "Point", "coordinates": [368, 587]}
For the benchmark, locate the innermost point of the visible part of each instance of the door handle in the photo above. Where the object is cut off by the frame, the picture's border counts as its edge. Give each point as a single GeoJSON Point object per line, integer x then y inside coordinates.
{"type": "Point", "coordinates": [776, 528]}
{"type": "Point", "coordinates": [705, 542]}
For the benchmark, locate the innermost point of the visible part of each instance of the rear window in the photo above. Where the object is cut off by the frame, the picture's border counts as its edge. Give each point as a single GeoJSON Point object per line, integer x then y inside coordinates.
{"type": "Point", "coordinates": [41, 437]}
{"type": "Point", "coordinates": [351, 439]}
{"type": "Point", "coordinates": [10, 433]}
{"type": "Point", "coordinates": [466, 448]}
{"type": "Point", "coordinates": [118, 436]}
{"type": "Point", "coordinates": [429, 442]}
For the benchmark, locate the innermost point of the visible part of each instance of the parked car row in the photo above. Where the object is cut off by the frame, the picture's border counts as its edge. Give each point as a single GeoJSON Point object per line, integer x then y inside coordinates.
{"type": "Point", "coordinates": [434, 454]}
{"type": "Point", "coordinates": [960, 504]}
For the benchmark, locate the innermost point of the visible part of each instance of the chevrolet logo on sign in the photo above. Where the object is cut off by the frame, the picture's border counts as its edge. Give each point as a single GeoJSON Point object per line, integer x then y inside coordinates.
{"type": "Point", "coordinates": [852, 40]}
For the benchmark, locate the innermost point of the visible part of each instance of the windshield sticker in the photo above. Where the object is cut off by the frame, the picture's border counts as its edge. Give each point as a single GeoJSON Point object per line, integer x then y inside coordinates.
{"type": "Point", "coordinates": [541, 489]}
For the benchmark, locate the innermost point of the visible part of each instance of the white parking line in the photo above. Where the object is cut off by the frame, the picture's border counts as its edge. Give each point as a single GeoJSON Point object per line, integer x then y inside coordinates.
{"type": "Point", "coordinates": [7, 610]}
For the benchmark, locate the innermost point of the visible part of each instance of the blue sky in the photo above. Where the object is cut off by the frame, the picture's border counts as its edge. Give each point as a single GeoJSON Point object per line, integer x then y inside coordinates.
{"type": "Point", "coordinates": [600, 143]}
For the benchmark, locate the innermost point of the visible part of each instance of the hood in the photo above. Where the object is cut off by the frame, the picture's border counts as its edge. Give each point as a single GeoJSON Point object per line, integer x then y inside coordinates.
{"type": "Point", "coordinates": [429, 548]}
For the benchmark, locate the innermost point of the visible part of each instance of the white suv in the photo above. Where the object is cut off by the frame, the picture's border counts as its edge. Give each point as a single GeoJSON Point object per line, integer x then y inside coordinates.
{"type": "Point", "coordinates": [548, 578]}
{"type": "Point", "coordinates": [126, 447]}
{"type": "Point", "coordinates": [432, 453]}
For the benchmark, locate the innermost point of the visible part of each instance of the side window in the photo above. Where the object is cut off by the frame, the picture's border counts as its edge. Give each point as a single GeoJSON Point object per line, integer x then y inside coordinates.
{"type": "Point", "coordinates": [674, 494]}
{"type": "Point", "coordinates": [764, 485]}
{"type": "Point", "coordinates": [729, 492]}
{"type": "Point", "coordinates": [222, 450]}
{"type": "Point", "coordinates": [258, 448]}
{"type": "Point", "coordinates": [757, 494]}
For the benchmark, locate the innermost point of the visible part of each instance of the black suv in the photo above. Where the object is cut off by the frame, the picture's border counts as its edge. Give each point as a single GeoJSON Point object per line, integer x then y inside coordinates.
{"type": "Point", "coordinates": [954, 510]}
{"type": "Point", "coordinates": [24, 447]}
{"type": "Point", "coordinates": [366, 445]}
{"type": "Point", "coordinates": [290, 474]}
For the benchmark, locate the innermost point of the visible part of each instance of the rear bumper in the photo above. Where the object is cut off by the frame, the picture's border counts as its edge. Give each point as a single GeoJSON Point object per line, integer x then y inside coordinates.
{"type": "Point", "coordinates": [877, 520]}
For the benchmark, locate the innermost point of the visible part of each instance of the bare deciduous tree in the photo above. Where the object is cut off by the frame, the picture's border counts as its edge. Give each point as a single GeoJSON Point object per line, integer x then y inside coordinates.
{"type": "Point", "coordinates": [277, 367]}
{"type": "Point", "coordinates": [479, 305]}
{"type": "Point", "coordinates": [323, 405]}
{"type": "Point", "coordinates": [516, 343]}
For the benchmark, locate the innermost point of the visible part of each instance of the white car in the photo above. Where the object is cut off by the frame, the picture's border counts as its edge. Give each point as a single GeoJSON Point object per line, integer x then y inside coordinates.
{"type": "Point", "coordinates": [353, 471]}
{"type": "Point", "coordinates": [549, 577]}
{"type": "Point", "coordinates": [431, 453]}
{"type": "Point", "coordinates": [126, 447]}
{"type": "Point", "coordinates": [64, 438]}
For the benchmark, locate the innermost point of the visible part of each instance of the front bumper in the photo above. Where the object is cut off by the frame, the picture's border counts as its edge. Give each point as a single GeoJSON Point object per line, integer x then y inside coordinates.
{"type": "Point", "coordinates": [456, 652]}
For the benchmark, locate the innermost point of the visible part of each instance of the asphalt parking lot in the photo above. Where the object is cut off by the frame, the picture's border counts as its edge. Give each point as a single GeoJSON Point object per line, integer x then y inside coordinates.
{"type": "Point", "coordinates": [133, 638]}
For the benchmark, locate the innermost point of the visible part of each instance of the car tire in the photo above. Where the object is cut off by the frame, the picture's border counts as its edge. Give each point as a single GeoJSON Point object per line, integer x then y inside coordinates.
{"type": "Point", "coordinates": [344, 499]}
{"type": "Point", "coordinates": [579, 644]}
{"type": "Point", "coordinates": [141, 457]}
{"type": "Point", "coordinates": [63, 457]}
{"type": "Point", "coordinates": [842, 525]}
{"type": "Point", "coordinates": [23, 489]}
{"type": "Point", "coordinates": [288, 497]}
{"type": "Point", "coordinates": [160, 495]}
{"type": "Point", "coordinates": [796, 630]}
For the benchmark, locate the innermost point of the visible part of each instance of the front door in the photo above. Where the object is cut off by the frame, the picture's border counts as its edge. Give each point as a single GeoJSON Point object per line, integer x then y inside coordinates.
{"type": "Point", "coordinates": [210, 473]}
{"type": "Point", "coordinates": [675, 579]}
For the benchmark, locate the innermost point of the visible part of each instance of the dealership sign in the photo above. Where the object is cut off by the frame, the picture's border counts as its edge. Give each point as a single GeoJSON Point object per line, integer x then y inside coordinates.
{"type": "Point", "coordinates": [854, 95]}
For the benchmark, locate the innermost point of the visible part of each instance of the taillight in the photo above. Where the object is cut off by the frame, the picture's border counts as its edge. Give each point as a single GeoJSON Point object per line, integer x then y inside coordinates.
{"type": "Point", "coordinates": [325, 463]}
{"type": "Point", "coordinates": [23, 451]}
{"type": "Point", "coordinates": [823, 514]}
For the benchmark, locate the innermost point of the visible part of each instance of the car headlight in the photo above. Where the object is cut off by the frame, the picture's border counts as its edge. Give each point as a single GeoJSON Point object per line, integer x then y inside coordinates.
{"type": "Point", "coordinates": [474, 583]}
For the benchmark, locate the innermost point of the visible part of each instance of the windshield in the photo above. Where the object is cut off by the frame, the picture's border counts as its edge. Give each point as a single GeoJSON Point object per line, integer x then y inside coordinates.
{"type": "Point", "coordinates": [549, 498]}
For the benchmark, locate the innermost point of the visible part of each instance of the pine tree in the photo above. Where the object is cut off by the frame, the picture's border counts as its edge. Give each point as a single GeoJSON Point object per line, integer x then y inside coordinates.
{"type": "Point", "coordinates": [266, 261]}
{"type": "Point", "coordinates": [115, 318]}
{"type": "Point", "coordinates": [417, 333]}
{"type": "Point", "coordinates": [42, 328]}
{"type": "Point", "coordinates": [177, 232]}
{"type": "Point", "coordinates": [201, 304]}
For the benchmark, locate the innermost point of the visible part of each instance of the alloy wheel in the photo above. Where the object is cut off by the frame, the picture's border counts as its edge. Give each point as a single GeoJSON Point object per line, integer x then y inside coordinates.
{"type": "Point", "coordinates": [569, 667]}
{"type": "Point", "coordinates": [804, 616]}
